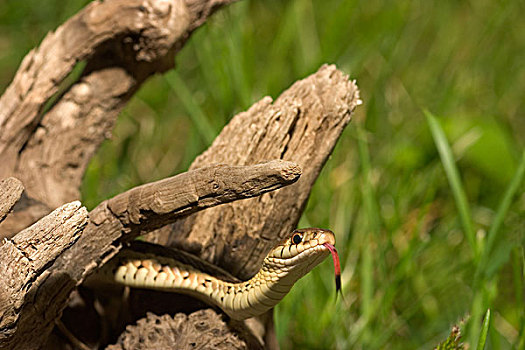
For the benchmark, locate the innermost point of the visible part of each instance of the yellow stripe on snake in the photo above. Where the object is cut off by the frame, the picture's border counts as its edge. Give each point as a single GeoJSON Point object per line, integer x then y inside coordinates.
{"type": "Point", "coordinates": [282, 267]}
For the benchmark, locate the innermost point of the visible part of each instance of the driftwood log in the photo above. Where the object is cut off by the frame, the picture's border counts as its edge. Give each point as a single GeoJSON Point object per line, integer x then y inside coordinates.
{"type": "Point", "coordinates": [47, 253]}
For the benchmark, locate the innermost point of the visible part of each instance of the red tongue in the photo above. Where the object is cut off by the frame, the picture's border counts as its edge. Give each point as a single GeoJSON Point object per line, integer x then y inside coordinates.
{"type": "Point", "coordinates": [337, 266]}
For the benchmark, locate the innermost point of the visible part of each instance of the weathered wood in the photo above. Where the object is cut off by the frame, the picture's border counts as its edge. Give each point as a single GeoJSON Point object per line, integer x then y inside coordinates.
{"type": "Point", "coordinates": [150, 206]}
{"type": "Point", "coordinates": [302, 126]}
{"type": "Point", "coordinates": [28, 287]}
{"type": "Point", "coordinates": [122, 42]}
{"type": "Point", "coordinates": [10, 191]}
{"type": "Point", "coordinates": [202, 329]}
{"type": "Point", "coordinates": [154, 205]}
{"type": "Point", "coordinates": [48, 261]}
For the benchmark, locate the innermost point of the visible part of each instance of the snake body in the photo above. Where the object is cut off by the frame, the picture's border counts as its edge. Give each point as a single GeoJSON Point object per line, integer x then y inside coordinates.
{"type": "Point", "coordinates": [288, 261]}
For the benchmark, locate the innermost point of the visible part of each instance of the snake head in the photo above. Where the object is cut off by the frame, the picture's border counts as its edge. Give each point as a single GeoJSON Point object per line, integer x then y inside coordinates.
{"type": "Point", "coordinates": [299, 253]}
{"type": "Point", "coordinates": [290, 260]}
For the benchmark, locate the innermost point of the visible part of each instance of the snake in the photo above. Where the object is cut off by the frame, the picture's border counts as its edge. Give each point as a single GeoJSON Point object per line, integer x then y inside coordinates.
{"type": "Point", "coordinates": [180, 272]}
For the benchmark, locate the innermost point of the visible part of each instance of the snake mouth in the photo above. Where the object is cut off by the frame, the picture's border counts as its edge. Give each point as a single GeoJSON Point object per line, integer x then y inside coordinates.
{"type": "Point", "coordinates": [300, 256]}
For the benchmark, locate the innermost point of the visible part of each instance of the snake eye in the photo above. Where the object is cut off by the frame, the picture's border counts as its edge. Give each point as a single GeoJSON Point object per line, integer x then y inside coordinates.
{"type": "Point", "coordinates": [297, 238]}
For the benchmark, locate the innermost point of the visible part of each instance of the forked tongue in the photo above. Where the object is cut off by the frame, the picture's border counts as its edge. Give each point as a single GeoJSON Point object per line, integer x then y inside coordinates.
{"type": "Point", "coordinates": [337, 267]}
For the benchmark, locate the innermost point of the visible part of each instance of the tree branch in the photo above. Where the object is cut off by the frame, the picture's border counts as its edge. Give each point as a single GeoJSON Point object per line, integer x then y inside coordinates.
{"type": "Point", "coordinates": [151, 206]}
{"type": "Point", "coordinates": [121, 43]}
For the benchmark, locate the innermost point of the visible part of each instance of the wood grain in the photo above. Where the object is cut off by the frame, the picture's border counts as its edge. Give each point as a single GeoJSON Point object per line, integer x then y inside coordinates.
{"type": "Point", "coordinates": [28, 286]}
{"type": "Point", "coordinates": [10, 192]}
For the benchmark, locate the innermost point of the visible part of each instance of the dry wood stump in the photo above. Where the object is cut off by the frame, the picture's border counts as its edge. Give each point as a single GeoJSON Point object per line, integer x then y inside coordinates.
{"type": "Point", "coordinates": [269, 156]}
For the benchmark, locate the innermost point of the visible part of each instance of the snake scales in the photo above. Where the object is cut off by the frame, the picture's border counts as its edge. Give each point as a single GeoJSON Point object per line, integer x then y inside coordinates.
{"type": "Point", "coordinates": [288, 261]}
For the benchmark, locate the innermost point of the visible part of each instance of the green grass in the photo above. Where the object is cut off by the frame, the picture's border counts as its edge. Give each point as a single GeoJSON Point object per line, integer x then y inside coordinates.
{"type": "Point", "coordinates": [428, 207]}
{"type": "Point", "coordinates": [484, 332]}
{"type": "Point", "coordinates": [447, 159]}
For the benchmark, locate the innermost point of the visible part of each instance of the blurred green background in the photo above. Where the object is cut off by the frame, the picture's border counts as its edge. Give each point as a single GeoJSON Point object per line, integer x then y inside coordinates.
{"type": "Point", "coordinates": [424, 189]}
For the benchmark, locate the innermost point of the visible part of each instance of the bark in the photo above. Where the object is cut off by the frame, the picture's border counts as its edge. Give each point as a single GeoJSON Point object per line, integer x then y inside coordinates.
{"type": "Point", "coordinates": [10, 192]}
{"type": "Point", "coordinates": [28, 283]}
{"type": "Point", "coordinates": [204, 327]}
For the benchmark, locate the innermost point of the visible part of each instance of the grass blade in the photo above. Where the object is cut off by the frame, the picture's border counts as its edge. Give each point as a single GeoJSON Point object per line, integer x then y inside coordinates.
{"type": "Point", "coordinates": [370, 259]}
{"type": "Point", "coordinates": [447, 159]}
{"type": "Point", "coordinates": [373, 225]}
{"type": "Point", "coordinates": [502, 212]}
{"type": "Point", "coordinates": [484, 331]}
